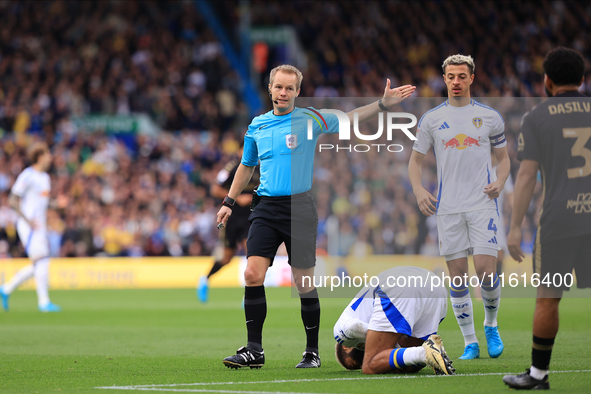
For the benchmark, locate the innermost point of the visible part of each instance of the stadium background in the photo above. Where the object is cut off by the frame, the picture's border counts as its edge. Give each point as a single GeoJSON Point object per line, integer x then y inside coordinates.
{"type": "Point", "coordinates": [142, 103]}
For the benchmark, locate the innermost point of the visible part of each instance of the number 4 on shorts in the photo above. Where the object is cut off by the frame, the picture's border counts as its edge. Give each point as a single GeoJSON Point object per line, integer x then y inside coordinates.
{"type": "Point", "coordinates": [492, 225]}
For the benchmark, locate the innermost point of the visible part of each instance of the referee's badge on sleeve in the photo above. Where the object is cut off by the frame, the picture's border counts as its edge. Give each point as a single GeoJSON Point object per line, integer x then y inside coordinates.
{"type": "Point", "coordinates": [291, 140]}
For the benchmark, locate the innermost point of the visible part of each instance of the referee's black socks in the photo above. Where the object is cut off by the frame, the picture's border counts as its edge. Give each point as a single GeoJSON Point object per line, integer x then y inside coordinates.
{"type": "Point", "coordinates": [311, 319]}
{"type": "Point", "coordinates": [255, 310]}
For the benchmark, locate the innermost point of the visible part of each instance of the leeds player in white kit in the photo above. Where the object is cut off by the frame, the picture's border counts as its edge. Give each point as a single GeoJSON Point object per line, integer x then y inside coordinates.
{"type": "Point", "coordinates": [462, 132]}
{"type": "Point", "coordinates": [30, 199]}
{"type": "Point", "coordinates": [392, 326]}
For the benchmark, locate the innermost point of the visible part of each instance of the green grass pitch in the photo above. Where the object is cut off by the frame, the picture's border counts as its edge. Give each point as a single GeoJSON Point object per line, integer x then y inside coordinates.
{"type": "Point", "coordinates": [167, 339]}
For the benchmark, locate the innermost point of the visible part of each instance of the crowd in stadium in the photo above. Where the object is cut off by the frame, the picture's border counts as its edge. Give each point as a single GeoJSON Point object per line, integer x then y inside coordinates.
{"type": "Point", "coordinates": [151, 196]}
{"type": "Point", "coordinates": [353, 46]}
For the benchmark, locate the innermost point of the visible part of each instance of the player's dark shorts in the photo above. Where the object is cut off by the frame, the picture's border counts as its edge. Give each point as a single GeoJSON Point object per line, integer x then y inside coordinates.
{"type": "Point", "coordinates": [236, 228]}
{"type": "Point", "coordinates": [289, 219]}
{"type": "Point", "coordinates": [561, 257]}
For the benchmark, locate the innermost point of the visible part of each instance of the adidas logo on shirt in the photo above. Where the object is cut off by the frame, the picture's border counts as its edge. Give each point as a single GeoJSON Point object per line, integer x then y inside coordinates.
{"type": "Point", "coordinates": [493, 240]}
{"type": "Point", "coordinates": [444, 126]}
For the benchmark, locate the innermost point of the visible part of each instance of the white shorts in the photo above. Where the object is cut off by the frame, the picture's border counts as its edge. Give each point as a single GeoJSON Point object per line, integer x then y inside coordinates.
{"type": "Point", "coordinates": [35, 241]}
{"type": "Point", "coordinates": [475, 229]}
{"type": "Point", "coordinates": [416, 317]}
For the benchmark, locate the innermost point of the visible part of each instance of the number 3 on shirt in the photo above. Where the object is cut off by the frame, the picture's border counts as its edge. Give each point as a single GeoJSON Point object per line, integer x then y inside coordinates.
{"type": "Point", "coordinates": [582, 134]}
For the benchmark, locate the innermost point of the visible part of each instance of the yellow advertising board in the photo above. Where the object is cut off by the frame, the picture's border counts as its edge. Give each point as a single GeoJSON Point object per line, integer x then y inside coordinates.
{"type": "Point", "coordinates": [184, 272]}
{"type": "Point", "coordinates": [118, 273]}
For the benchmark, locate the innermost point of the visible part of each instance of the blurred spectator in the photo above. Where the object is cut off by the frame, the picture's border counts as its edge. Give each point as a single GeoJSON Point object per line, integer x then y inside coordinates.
{"type": "Point", "coordinates": [62, 59]}
{"type": "Point", "coordinates": [353, 46]}
{"type": "Point", "coordinates": [118, 203]}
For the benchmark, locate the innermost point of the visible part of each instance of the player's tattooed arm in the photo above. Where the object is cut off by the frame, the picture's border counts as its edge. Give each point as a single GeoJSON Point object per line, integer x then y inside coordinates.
{"type": "Point", "coordinates": [425, 199]}
{"type": "Point", "coordinates": [494, 189]}
{"type": "Point", "coordinates": [14, 202]}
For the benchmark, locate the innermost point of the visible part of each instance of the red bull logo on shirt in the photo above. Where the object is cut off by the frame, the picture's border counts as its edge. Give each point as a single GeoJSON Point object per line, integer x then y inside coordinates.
{"type": "Point", "coordinates": [461, 141]}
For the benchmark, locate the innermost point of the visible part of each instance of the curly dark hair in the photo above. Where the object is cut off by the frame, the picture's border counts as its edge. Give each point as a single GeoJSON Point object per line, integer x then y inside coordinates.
{"type": "Point", "coordinates": [564, 66]}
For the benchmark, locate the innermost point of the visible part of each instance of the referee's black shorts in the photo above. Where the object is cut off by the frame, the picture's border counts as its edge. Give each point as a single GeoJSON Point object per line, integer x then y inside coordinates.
{"type": "Point", "coordinates": [289, 219]}
{"type": "Point", "coordinates": [555, 260]}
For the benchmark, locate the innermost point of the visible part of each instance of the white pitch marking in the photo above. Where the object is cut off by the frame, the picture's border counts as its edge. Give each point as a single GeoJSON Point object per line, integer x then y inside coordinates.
{"type": "Point", "coordinates": [162, 387]}
{"type": "Point", "coordinates": [200, 390]}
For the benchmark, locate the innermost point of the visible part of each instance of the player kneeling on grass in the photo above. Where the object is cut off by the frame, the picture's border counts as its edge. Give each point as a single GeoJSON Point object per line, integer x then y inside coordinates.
{"type": "Point", "coordinates": [392, 328]}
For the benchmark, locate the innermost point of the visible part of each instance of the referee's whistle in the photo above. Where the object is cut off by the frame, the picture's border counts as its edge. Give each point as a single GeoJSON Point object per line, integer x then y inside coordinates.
{"type": "Point", "coordinates": [220, 226]}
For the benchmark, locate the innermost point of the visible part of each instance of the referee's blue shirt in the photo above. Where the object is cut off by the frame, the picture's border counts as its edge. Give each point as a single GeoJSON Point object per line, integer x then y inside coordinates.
{"type": "Point", "coordinates": [286, 155]}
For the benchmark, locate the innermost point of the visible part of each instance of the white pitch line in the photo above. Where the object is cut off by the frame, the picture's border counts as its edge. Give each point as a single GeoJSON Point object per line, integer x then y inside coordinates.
{"type": "Point", "coordinates": [163, 387]}
{"type": "Point", "coordinates": [200, 390]}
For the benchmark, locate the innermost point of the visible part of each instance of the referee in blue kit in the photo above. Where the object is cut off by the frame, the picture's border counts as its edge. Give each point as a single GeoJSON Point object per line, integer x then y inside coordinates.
{"type": "Point", "coordinates": [286, 212]}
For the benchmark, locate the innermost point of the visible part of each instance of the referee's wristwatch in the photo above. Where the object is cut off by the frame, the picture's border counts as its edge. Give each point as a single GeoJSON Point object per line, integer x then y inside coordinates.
{"type": "Point", "coordinates": [228, 202]}
{"type": "Point", "coordinates": [382, 106]}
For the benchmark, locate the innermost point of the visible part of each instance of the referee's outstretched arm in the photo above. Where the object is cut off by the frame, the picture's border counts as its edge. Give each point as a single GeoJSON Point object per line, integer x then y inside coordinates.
{"type": "Point", "coordinates": [391, 97]}
{"type": "Point", "coordinates": [241, 179]}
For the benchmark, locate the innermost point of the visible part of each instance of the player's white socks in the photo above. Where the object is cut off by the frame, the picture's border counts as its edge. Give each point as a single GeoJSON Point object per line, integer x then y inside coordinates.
{"type": "Point", "coordinates": [491, 298]}
{"type": "Point", "coordinates": [42, 281]}
{"type": "Point", "coordinates": [537, 373]}
{"type": "Point", "coordinates": [403, 357]}
{"type": "Point", "coordinates": [21, 276]}
{"type": "Point", "coordinates": [461, 303]}
{"type": "Point", "coordinates": [415, 356]}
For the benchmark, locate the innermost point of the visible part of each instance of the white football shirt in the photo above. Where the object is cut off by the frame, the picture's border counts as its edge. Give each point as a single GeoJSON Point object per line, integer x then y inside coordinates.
{"type": "Point", "coordinates": [411, 302]}
{"type": "Point", "coordinates": [461, 138]}
{"type": "Point", "coordinates": [33, 188]}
